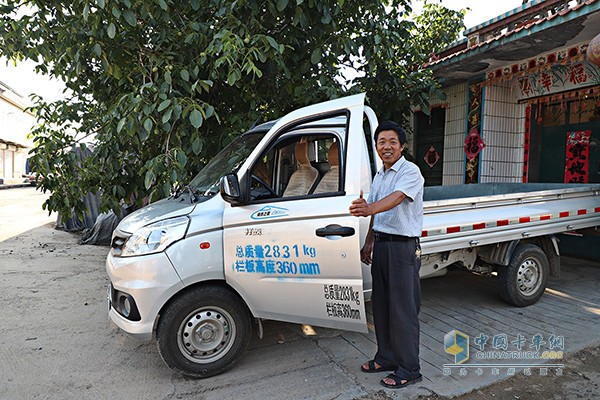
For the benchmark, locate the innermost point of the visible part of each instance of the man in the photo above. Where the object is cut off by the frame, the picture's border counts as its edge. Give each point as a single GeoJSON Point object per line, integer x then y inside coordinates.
{"type": "Point", "coordinates": [395, 206]}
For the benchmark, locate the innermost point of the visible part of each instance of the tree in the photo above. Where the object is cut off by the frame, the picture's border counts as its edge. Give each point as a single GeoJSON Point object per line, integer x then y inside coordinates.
{"type": "Point", "coordinates": [162, 85]}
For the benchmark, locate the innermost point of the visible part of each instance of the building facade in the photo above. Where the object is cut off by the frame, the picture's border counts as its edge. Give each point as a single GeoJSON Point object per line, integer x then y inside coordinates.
{"type": "Point", "coordinates": [15, 123]}
{"type": "Point", "coordinates": [522, 102]}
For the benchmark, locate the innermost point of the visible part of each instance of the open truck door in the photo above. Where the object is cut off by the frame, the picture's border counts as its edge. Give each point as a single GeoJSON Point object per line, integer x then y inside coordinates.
{"type": "Point", "coordinates": [291, 247]}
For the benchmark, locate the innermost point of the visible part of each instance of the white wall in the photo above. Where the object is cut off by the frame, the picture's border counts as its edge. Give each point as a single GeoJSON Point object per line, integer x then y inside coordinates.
{"type": "Point", "coordinates": [15, 124]}
{"type": "Point", "coordinates": [455, 134]}
{"type": "Point", "coordinates": [503, 134]}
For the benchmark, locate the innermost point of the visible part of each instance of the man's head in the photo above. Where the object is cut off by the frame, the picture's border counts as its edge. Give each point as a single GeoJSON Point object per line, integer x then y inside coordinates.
{"type": "Point", "coordinates": [390, 140]}
{"type": "Point", "coordinates": [391, 126]}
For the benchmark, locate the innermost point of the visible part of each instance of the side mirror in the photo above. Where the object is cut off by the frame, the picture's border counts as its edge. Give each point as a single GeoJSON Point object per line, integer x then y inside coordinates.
{"type": "Point", "coordinates": [229, 188]}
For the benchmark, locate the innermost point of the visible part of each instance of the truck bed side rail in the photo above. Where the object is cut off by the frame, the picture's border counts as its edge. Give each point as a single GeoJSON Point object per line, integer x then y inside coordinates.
{"type": "Point", "coordinates": [523, 211]}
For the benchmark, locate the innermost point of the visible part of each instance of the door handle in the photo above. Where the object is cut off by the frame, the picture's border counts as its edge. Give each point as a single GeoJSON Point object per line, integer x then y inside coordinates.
{"type": "Point", "coordinates": [335, 230]}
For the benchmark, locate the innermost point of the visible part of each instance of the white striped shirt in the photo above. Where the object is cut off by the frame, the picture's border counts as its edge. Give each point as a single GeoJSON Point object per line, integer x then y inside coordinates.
{"type": "Point", "coordinates": [407, 217]}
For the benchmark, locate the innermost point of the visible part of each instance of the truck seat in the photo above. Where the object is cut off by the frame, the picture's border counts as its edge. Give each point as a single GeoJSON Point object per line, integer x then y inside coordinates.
{"type": "Point", "coordinates": [304, 178]}
{"type": "Point", "coordinates": [331, 180]}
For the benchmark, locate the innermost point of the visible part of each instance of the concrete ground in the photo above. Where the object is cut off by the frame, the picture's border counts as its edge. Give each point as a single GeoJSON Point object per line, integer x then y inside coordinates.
{"type": "Point", "coordinates": [56, 341]}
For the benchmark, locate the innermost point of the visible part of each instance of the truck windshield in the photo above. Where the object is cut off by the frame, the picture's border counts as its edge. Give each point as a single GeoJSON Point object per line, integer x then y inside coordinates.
{"type": "Point", "coordinates": [228, 160]}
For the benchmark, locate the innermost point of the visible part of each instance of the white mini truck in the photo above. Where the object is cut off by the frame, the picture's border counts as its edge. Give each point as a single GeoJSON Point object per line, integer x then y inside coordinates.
{"type": "Point", "coordinates": [264, 232]}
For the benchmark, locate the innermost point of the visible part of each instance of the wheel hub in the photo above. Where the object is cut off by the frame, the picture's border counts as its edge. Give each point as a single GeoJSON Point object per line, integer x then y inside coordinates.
{"type": "Point", "coordinates": [528, 276]}
{"type": "Point", "coordinates": [206, 335]}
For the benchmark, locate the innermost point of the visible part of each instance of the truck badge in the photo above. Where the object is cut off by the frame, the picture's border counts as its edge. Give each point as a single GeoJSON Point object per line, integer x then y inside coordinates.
{"type": "Point", "coordinates": [268, 212]}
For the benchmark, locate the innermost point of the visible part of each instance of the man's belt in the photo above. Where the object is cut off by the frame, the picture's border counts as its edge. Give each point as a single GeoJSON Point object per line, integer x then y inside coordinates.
{"type": "Point", "coordinates": [387, 237]}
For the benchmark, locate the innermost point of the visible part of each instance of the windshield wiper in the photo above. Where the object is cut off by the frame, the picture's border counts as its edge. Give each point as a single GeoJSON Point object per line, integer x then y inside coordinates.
{"type": "Point", "coordinates": [193, 193]}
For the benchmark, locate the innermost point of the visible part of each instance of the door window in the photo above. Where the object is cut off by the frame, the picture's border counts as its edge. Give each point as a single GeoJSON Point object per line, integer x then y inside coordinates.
{"type": "Point", "coordinates": [297, 166]}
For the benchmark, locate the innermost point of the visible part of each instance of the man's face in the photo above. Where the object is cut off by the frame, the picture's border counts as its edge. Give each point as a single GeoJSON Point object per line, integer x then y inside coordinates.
{"type": "Point", "coordinates": [389, 147]}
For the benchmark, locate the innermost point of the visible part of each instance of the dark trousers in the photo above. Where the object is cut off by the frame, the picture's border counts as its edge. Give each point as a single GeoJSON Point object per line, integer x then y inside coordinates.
{"type": "Point", "coordinates": [396, 301]}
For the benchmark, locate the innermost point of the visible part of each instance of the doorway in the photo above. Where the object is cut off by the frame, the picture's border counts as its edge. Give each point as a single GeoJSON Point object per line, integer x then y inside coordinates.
{"type": "Point", "coordinates": [430, 144]}
{"type": "Point", "coordinates": [550, 125]}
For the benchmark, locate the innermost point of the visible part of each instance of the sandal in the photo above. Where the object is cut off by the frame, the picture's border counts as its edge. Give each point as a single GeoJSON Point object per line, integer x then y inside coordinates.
{"type": "Point", "coordinates": [371, 368]}
{"type": "Point", "coordinates": [398, 381]}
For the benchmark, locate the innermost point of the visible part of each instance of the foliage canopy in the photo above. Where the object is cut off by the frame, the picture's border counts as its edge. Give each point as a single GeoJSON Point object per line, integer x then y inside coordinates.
{"type": "Point", "coordinates": [162, 85]}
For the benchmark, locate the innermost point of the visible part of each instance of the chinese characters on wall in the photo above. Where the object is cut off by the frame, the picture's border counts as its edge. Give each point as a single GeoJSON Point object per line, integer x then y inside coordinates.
{"type": "Point", "coordinates": [577, 157]}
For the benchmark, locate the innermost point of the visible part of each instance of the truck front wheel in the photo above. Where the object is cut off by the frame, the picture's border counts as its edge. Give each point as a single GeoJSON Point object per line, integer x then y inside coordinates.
{"type": "Point", "coordinates": [523, 281]}
{"type": "Point", "coordinates": [204, 331]}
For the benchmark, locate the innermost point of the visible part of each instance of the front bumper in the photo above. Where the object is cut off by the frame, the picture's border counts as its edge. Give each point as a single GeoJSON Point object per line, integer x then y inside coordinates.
{"type": "Point", "coordinates": [150, 280]}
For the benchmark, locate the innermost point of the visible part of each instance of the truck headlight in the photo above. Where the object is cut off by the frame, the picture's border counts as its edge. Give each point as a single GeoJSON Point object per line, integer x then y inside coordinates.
{"type": "Point", "coordinates": [156, 237]}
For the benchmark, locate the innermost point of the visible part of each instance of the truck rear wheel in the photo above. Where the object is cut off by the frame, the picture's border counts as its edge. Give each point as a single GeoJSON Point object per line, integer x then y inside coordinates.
{"type": "Point", "coordinates": [204, 332]}
{"type": "Point", "coordinates": [524, 280]}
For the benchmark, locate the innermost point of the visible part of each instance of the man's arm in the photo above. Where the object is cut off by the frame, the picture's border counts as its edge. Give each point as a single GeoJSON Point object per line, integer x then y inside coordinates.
{"type": "Point", "coordinates": [360, 207]}
{"type": "Point", "coordinates": [366, 253]}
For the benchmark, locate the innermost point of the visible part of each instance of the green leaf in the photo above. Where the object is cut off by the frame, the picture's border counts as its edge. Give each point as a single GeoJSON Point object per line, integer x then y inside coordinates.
{"type": "Point", "coordinates": [281, 5]}
{"type": "Point", "coordinates": [197, 146]}
{"type": "Point", "coordinates": [166, 187]}
{"type": "Point", "coordinates": [315, 57]}
{"type": "Point", "coordinates": [143, 135]}
{"type": "Point", "coordinates": [185, 75]}
{"type": "Point", "coordinates": [164, 105]}
{"type": "Point", "coordinates": [167, 115]}
{"type": "Point", "coordinates": [97, 49]}
{"type": "Point", "coordinates": [100, 3]}
{"type": "Point", "coordinates": [130, 17]}
{"type": "Point", "coordinates": [163, 4]}
{"type": "Point", "coordinates": [233, 77]}
{"type": "Point", "coordinates": [149, 179]}
{"type": "Point", "coordinates": [273, 42]}
{"type": "Point", "coordinates": [148, 124]}
{"type": "Point", "coordinates": [196, 118]}
{"type": "Point", "coordinates": [177, 111]}
{"type": "Point", "coordinates": [181, 157]}
{"type": "Point", "coordinates": [121, 124]}
{"type": "Point", "coordinates": [111, 30]}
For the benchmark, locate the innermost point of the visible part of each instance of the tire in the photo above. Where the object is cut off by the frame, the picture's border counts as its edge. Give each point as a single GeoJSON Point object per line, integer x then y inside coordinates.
{"type": "Point", "coordinates": [204, 331]}
{"type": "Point", "coordinates": [524, 280]}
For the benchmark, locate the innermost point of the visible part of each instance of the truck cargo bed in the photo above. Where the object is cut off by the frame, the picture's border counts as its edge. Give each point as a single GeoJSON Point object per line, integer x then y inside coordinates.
{"type": "Point", "coordinates": [464, 216]}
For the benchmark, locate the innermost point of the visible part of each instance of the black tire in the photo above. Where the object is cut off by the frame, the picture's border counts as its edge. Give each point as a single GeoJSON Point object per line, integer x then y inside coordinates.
{"type": "Point", "coordinates": [204, 331]}
{"type": "Point", "coordinates": [524, 280]}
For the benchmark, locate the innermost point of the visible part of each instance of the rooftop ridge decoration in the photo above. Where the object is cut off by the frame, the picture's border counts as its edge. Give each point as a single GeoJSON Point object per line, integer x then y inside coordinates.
{"type": "Point", "coordinates": [526, 11]}
{"type": "Point", "coordinates": [530, 10]}
{"type": "Point", "coordinates": [522, 18]}
{"type": "Point", "coordinates": [542, 62]}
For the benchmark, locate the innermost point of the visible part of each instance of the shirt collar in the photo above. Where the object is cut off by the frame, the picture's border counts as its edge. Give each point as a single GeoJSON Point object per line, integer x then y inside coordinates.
{"type": "Point", "coordinates": [395, 167]}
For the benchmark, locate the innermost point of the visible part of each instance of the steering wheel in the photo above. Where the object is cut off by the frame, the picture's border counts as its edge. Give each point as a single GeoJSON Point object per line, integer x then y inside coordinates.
{"type": "Point", "coordinates": [264, 185]}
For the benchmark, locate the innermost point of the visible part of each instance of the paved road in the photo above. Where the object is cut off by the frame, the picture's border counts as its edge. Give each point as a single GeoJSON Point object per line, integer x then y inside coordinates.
{"type": "Point", "coordinates": [20, 211]}
{"type": "Point", "coordinates": [56, 341]}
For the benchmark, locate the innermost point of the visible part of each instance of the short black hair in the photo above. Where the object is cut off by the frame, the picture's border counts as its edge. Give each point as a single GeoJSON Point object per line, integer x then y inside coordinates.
{"type": "Point", "coordinates": [391, 126]}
